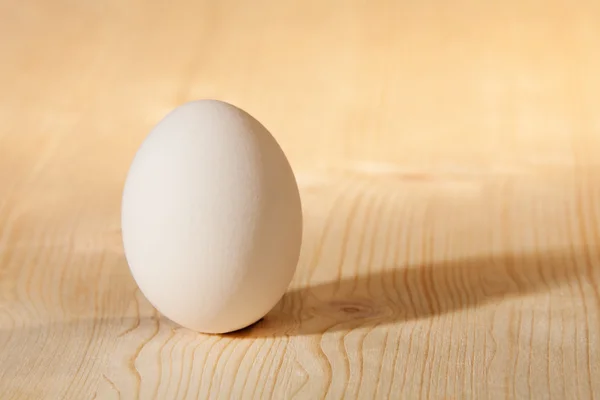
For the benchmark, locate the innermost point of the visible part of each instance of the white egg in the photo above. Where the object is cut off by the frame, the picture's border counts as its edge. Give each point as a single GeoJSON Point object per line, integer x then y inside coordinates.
{"type": "Point", "coordinates": [211, 218]}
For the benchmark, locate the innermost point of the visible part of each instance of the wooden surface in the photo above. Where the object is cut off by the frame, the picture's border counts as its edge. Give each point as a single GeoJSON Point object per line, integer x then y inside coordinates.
{"type": "Point", "coordinates": [447, 154]}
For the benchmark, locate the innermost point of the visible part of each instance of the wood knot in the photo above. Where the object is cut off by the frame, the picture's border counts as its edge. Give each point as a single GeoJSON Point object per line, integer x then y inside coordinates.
{"type": "Point", "coordinates": [349, 308]}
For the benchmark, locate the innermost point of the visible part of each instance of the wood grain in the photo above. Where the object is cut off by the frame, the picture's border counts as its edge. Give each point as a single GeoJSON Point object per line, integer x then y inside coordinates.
{"type": "Point", "coordinates": [447, 158]}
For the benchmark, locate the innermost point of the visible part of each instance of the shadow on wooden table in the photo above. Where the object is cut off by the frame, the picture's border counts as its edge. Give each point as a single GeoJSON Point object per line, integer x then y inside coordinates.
{"type": "Point", "coordinates": [401, 294]}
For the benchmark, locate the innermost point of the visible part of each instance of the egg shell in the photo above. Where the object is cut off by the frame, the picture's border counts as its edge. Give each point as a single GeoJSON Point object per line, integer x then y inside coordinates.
{"type": "Point", "coordinates": [211, 218]}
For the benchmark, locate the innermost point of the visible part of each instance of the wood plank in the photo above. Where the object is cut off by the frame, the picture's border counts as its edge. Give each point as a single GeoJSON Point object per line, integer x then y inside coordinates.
{"type": "Point", "coordinates": [447, 158]}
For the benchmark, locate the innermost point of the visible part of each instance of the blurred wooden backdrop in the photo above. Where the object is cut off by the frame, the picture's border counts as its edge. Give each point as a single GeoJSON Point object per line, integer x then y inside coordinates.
{"type": "Point", "coordinates": [447, 156]}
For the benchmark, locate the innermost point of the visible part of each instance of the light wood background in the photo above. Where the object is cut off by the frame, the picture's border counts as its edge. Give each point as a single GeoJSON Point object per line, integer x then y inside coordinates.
{"type": "Point", "coordinates": [447, 154]}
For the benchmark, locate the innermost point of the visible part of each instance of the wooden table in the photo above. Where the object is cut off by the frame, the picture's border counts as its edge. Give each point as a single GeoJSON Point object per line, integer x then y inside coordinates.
{"type": "Point", "coordinates": [447, 154]}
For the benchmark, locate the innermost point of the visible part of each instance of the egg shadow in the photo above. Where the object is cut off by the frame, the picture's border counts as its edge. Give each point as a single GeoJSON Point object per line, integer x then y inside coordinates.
{"type": "Point", "coordinates": [400, 294]}
{"type": "Point", "coordinates": [469, 209]}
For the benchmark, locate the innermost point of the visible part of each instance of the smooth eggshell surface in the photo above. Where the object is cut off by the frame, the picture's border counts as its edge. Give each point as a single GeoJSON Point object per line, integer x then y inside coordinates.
{"type": "Point", "coordinates": [211, 218]}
